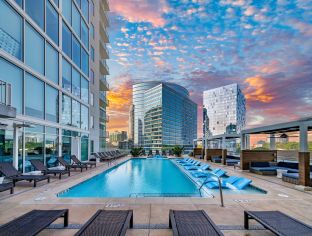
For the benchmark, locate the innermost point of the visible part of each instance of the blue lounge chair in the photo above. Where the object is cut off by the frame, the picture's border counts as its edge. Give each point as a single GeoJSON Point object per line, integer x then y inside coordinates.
{"type": "Point", "coordinates": [239, 184]}
{"type": "Point", "coordinates": [183, 160]}
{"type": "Point", "coordinates": [202, 167]}
{"type": "Point", "coordinates": [202, 174]}
{"type": "Point", "coordinates": [187, 161]}
{"type": "Point", "coordinates": [194, 163]}
{"type": "Point", "coordinates": [212, 182]}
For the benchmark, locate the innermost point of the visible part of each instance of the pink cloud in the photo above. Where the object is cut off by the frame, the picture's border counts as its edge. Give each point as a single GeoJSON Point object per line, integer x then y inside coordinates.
{"type": "Point", "coordinates": [141, 10]}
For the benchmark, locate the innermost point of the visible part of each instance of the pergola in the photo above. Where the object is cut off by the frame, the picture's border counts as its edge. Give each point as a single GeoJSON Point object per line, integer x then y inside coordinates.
{"type": "Point", "coordinates": [303, 126]}
{"type": "Point", "coordinates": [222, 138]}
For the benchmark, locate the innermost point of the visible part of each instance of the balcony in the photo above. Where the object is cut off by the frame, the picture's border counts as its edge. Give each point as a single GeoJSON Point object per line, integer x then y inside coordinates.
{"type": "Point", "coordinates": [103, 67]}
{"type": "Point", "coordinates": [103, 50]}
{"type": "Point", "coordinates": [104, 34]}
{"type": "Point", "coordinates": [104, 86]}
{"type": "Point", "coordinates": [104, 18]}
{"type": "Point", "coordinates": [6, 110]}
{"type": "Point", "coordinates": [104, 102]}
{"type": "Point", "coordinates": [104, 118]}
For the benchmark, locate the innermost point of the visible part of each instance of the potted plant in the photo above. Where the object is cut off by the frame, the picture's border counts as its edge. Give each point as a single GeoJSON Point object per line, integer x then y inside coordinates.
{"type": "Point", "coordinates": [136, 151]}
{"type": "Point", "coordinates": [177, 151]}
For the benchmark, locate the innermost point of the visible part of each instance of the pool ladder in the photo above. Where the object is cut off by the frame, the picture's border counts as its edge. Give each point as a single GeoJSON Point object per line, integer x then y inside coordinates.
{"type": "Point", "coordinates": [220, 187]}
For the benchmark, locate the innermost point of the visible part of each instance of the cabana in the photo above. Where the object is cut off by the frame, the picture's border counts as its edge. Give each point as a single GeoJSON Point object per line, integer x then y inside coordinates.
{"type": "Point", "coordinates": [303, 126]}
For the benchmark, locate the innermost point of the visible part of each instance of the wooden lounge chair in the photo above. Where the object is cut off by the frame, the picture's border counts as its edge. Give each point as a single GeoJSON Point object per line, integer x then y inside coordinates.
{"type": "Point", "coordinates": [86, 163]}
{"type": "Point", "coordinates": [7, 186]}
{"type": "Point", "coordinates": [9, 171]}
{"type": "Point", "coordinates": [33, 222]}
{"type": "Point", "coordinates": [41, 167]}
{"type": "Point", "coordinates": [185, 223]}
{"type": "Point", "coordinates": [278, 222]}
{"type": "Point", "coordinates": [105, 222]}
{"type": "Point", "coordinates": [70, 166]}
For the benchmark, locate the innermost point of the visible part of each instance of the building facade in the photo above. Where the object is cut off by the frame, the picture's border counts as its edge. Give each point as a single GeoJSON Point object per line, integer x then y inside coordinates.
{"type": "Point", "coordinates": [46, 64]}
{"type": "Point", "coordinates": [131, 123]}
{"type": "Point", "coordinates": [118, 136]}
{"type": "Point", "coordinates": [164, 115]}
{"type": "Point", "coordinates": [225, 109]}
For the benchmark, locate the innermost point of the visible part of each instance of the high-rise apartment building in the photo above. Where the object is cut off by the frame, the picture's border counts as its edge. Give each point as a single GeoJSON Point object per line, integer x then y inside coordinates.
{"type": "Point", "coordinates": [51, 68]}
{"type": "Point", "coordinates": [131, 123]}
{"type": "Point", "coordinates": [225, 109]}
{"type": "Point", "coordinates": [164, 115]}
{"type": "Point", "coordinates": [118, 136]}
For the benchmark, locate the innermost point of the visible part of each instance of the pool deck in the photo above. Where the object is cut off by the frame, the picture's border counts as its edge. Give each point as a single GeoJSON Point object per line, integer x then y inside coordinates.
{"type": "Point", "coordinates": [151, 215]}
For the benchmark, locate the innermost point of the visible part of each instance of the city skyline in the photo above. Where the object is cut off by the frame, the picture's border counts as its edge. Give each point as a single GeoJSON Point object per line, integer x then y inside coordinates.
{"type": "Point", "coordinates": [264, 47]}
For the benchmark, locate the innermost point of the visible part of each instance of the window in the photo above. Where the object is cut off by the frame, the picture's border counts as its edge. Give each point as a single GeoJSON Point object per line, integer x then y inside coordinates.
{"type": "Point", "coordinates": [84, 90]}
{"type": "Point", "coordinates": [51, 146]}
{"type": "Point", "coordinates": [34, 55]}
{"type": "Point", "coordinates": [66, 110]}
{"type": "Point", "coordinates": [35, 9]}
{"type": "Point", "coordinates": [66, 39]}
{"type": "Point", "coordinates": [91, 8]}
{"type": "Point", "coordinates": [76, 52]}
{"type": "Point", "coordinates": [84, 117]}
{"type": "Point", "coordinates": [52, 23]}
{"type": "Point", "coordinates": [13, 75]}
{"type": "Point", "coordinates": [52, 65]}
{"type": "Point", "coordinates": [11, 37]}
{"type": "Point", "coordinates": [51, 104]}
{"type": "Point", "coordinates": [56, 2]}
{"type": "Point", "coordinates": [92, 53]}
{"type": "Point", "coordinates": [92, 76]}
{"type": "Point", "coordinates": [76, 83]}
{"type": "Point", "coordinates": [78, 2]}
{"type": "Point", "coordinates": [92, 99]}
{"type": "Point", "coordinates": [18, 2]}
{"type": "Point", "coordinates": [92, 30]}
{"type": "Point", "coordinates": [66, 76]}
{"type": "Point", "coordinates": [66, 8]}
{"type": "Point", "coordinates": [34, 145]}
{"type": "Point", "coordinates": [34, 97]}
{"type": "Point", "coordinates": [76, 20]}
{"type": "Point", "coordinates": [85, 9]}
{"type": "Point", "coordinates": [84, 34]}
{"type": "Point", "coordinates": [91, 122]}
{"type": "Point", "coordinates": [84, 62]}
{"type": "Point", "coordinates": [75, 113]}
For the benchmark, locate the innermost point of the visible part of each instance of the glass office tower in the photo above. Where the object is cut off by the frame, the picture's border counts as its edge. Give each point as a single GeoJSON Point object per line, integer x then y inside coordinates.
{"type": "Point", "coordinates": [225, 110]}
{"type": "Point", "coordinates": [45, 62]}
{"type": "Point", "coordinates": [164, 115]}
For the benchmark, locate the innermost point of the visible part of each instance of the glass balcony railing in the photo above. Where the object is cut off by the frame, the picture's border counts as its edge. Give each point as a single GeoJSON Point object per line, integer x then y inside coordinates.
{"type": "Point", "coordinates": [104, 99]}
{"type": "Point", "coordinates": [105, 67]}
{"type": "Point", "coordinates": [104, 50]}
{"type": "Point", "coordinates": [5, 93]}
{"type": "Point", "coordinates": [104, 34]}
{"type": "Point", "coordinates": [104, 86]}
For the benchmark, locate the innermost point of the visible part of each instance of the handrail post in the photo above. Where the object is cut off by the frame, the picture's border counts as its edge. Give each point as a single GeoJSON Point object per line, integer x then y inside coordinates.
{"type": "Point", "coordinates": [220, 187]}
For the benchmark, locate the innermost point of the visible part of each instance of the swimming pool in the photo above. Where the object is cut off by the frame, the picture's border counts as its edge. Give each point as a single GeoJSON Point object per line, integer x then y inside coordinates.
{"type": "Point", "coordinates": [137, 177]}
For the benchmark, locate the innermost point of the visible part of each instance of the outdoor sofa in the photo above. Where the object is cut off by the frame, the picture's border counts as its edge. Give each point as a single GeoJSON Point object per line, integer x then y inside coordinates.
{"type": "Point", "coordinates": [10, 172]}
{"type": "Point", "coordinates": [293, 178]}
{"type": "Point", "coordinates": [278, 223]}
{"type": "Point", "coordinates": [33, 222]}
{"type": "Point", "coordinates": [267, 168]}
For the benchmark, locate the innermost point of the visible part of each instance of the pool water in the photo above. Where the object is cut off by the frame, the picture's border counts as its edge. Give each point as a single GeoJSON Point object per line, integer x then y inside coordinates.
{"type": "Point", "coordinates": [154, 177]}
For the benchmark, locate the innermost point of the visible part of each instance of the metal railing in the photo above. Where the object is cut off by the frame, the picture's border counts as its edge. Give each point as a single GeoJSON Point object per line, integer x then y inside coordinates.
{"type": "Point", "coordinates": [219, 183]}
{"type": "Point", "coordinates": [5, 93]}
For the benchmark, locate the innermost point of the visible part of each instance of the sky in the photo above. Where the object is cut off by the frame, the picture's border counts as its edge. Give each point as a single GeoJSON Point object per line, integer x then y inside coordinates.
{"type": "Point", "coordinates": [264, 46]}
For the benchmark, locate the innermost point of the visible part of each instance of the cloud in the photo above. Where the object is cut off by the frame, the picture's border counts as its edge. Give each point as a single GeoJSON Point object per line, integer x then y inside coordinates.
{"type": "Point", "coordinates": [256, 90]}
{"type": "Point", "coordinates": [150, 11]}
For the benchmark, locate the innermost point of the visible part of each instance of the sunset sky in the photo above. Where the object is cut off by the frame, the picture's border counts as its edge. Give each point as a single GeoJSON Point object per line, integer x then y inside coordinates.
{"type": "Point", "coordinates": [264, 46]}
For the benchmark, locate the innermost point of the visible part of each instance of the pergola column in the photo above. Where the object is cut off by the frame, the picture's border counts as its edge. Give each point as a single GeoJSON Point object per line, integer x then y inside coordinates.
{"type": "Point", "coordinates": [272, 142]}
{"type": "Point", "coordinates": [304, 156]}
{"type": "Point", "coordinates": [15, 147]}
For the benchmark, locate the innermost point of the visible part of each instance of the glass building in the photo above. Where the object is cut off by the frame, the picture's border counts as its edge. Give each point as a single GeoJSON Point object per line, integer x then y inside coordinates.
{"type": "Point", "coordinates": [164, 115]}
{"type": "Point", "coordinates": [224, 110]}
{"type": "Point", "coordinates": [46, 68]}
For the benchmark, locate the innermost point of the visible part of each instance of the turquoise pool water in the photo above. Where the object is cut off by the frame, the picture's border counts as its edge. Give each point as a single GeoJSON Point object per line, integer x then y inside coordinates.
{"type": "Point", "coordinates": [137, 178]}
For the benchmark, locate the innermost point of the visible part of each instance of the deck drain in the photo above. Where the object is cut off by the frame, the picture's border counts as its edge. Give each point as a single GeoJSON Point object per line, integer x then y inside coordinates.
{"type": "Point", "coordinates": [282, 195]}
{"type": "Point", "coordinates": [40, 198]}
{"type": "Point", "coordinates": [114, 205]}
{"type": "Point", "coordinates": [242, 200]}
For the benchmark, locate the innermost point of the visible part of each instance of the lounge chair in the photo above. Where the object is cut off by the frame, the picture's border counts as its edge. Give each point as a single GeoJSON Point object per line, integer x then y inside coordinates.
{"type": "Point", "coordinates": [86, 163]}
{"type": "Point", "coordinates": [278, 223]}
{"type": "Point", "coordinates": [33, 222]}
{"type": "Point", "coordinates": [183, 160]}
{"type": "Point", "coordinates": [213, 183]}
{"type": "Point", "coordinates": [9, 171]}
{"type": "Point", "coordinates": [191, 163]}
{"type": "Point", "coordinates": [70, 166]}
{"type": "Point", "coordinates": [105, 222]}
{"type": "Point", "coordinates": [7, 186]}
{"type": "Point", "coordinates": [41, 167]}
{"type": "Point", "coordinates": [239, 184]}
{"type": "Point", "coordinates": [195, 223]}
{"type": "Point", "coordinates": [201, 167]}
{"type": "Point", "coordinates": [205, 174]}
